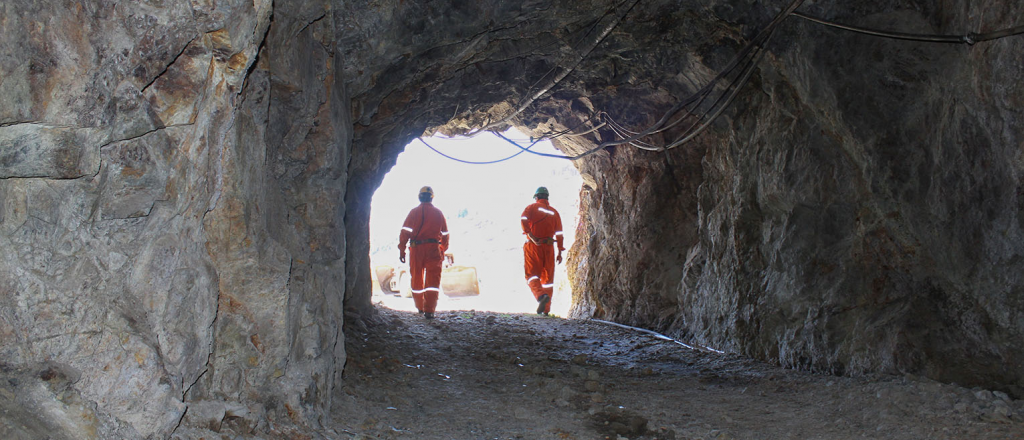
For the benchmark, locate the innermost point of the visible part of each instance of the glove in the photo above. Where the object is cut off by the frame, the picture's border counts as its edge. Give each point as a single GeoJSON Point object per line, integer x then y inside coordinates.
{"type": "Point", "coordinates": [401, 256]}
{"type": "Point", "coordinates": [450, 258]}
{"type": "Point", "coordinates": [558, 259]}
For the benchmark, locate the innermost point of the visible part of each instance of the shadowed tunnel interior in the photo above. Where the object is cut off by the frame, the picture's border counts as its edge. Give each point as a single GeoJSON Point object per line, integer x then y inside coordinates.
{"type": "Point", "coordinates": [185, 186]}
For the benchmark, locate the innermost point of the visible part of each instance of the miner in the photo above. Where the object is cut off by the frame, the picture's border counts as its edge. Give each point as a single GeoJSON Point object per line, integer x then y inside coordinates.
{"type": "Point", "coordinates": [543, 229]}
{"type": "Point", "coordinates": [426, 232]}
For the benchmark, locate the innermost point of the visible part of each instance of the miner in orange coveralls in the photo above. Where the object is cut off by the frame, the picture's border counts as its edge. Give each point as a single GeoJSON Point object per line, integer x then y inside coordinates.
{"type": "Point", "coordinates": [543, 228]}
{"type": "Point", "coordinates": [426, 232]}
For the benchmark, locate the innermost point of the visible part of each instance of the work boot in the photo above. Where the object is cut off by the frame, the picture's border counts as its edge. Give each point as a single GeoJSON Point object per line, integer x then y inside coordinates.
{"type": "Point", "coordinates": [428, 315]}
{"type": "Point", "coordinates": [543, 303]}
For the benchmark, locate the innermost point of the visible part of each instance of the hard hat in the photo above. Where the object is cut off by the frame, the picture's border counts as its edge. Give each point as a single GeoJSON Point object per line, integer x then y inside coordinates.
{"type": "Point", "coordinates": [427, 190]}
{"type": "Point", "coordinates": [541, 191]}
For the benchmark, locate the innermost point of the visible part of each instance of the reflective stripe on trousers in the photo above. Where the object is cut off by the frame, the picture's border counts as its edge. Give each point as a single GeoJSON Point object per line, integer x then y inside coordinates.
{"type": "Point", "coordinates": [425, 276]}
{"type": "Point", "coordinates": [539, 264]}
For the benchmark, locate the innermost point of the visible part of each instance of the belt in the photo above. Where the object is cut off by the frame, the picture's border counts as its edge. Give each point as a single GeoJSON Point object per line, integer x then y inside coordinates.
{"type": "Point", "coordinates": [545, 240]}
{"type": "Point", "coordinates": [416, 242]}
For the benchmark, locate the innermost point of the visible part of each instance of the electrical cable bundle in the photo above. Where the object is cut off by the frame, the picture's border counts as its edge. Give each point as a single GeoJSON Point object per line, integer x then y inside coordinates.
{"type": "Point", "coordinates": [701, 108]}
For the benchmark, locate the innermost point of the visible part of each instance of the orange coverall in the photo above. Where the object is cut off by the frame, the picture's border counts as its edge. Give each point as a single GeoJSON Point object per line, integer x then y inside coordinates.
{"type": "Point", "coordinates": [426, 232]}
{"type": "Point", "coordinates": [543, 223]}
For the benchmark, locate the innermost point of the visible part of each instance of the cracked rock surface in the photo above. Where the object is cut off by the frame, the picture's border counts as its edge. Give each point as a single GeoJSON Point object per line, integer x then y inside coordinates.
{"type": "Point", "coordinates": [137, 252]}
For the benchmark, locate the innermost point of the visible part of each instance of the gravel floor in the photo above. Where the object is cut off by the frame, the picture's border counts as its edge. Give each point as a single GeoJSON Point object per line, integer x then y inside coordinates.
{"type": "Point", "coordinates": [476, 375]}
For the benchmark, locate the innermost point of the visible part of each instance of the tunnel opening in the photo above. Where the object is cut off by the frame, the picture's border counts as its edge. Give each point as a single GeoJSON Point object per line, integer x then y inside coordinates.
{"type": "Point", "coordinates": [482, 203]}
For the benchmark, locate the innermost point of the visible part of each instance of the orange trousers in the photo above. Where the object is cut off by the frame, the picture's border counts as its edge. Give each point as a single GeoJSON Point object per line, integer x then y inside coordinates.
{"type": "Point", "coordinates": [539, 262]}
{"type": "Point", "coordinates": [425, 271]}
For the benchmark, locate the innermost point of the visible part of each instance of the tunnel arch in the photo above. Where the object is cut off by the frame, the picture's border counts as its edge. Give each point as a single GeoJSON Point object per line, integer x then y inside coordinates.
{"type": "Point", "coordinates": [185, 186]}
{"type": "Point", "coordinates": [746, 253]}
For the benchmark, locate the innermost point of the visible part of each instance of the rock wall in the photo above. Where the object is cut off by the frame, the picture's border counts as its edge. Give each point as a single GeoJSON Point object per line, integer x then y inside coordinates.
{"type": "Point", "coordinates": [171, 183]}
{"type": "Point", "coordinates": [858, 209]}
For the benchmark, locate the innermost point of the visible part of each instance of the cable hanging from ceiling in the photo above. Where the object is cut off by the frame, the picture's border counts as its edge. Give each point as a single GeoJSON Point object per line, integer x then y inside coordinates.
{"type": "Point", "coordinates": [470, 162]}
{"type": "Point", "coordinates": [695, 105]}
{"type": "Point", "coordinates": [533, 142]}
{"type": "Point", "coordinates": [969, 38]}
{"type": "Point", "coordinates": [697, 108]}
{"type": "Point", "coordinates": [561, 75]}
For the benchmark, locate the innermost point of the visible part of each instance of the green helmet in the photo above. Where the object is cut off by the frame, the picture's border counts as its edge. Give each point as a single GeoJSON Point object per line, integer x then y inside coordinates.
{"type": "Point", "coordinates": [541, 191]}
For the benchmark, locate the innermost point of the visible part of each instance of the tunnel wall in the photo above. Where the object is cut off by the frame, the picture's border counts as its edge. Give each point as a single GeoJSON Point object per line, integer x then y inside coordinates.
{"type": "Point", "coordinates": [858, 209]}
{"type": "Point", "coordinates": [172, 177]}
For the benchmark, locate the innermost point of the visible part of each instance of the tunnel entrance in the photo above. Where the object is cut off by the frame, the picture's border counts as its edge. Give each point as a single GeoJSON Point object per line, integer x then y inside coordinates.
{"type": "Point", "coordinates": [482, 204]}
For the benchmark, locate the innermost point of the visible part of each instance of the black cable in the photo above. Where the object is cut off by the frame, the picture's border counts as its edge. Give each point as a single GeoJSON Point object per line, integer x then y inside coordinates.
{"type": "Point", "coordinates": [969, 38]}
{"type": "Point", "coordinates": [731, 91]}
{"type": "Point", "coordinates": [579, 42]}
{"type": "Point", "coordinates": [754, 46]}
{"type": "Point", "coordinates": [618, 129]}
{"type": "Point", "coordinates": [565, 72]}
{"type": "Point", "coordinates": [728, 93]}
{"type": "Point", "coordinates": [760, 39]}
{"type": "Point", "coordinates": [987, 36]}
{"type": "Point", "coordinates": [757, 47]}
{"type": "Point", "coordinates": [728, 100]}
{"type": "Point", "coordinates": [550, 136]}
{"type": "Point", "coordinates": [698, 96]}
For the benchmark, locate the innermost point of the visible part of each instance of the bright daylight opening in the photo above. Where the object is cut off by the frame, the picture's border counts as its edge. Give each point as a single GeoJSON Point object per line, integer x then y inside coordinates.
{"type": "Point", "coordinates": [482, 205]}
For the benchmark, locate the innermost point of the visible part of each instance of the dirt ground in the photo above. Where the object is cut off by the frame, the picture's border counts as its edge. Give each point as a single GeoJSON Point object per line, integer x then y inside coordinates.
{"type": "Point", "coordinates": [484, 375]}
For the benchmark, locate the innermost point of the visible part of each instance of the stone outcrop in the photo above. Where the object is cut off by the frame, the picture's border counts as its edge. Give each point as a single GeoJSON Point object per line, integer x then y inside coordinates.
{"type": "Point", "coordinates": [185, 189]}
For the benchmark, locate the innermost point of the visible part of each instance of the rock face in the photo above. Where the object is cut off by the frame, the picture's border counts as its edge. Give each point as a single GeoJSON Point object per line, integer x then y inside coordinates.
{"type": "Point", "coordinates": [185, 189]}
{"type": "Point", "coordinates": [858, 209]}
{"type": "Point", "coordinates": [171, 228]}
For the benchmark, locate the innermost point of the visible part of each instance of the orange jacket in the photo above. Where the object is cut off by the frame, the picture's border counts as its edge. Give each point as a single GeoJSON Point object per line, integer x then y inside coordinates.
{"type": "Point", "coordinates": [424, 222]}
{"type": "Point", "coordinates": [542, 222]}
